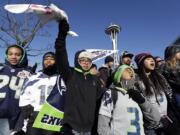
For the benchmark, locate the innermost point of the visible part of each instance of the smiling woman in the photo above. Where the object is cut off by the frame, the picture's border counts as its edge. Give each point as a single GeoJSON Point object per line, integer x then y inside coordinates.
{"type": "Point", "coordinates": [12, 75]}
{"type": "Point", "coordinates": [14, 55]}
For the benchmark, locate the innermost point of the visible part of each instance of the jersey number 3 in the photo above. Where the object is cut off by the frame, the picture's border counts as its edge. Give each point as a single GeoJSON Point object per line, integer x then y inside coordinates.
{"type": "Point", "coordinates": [135, 127]}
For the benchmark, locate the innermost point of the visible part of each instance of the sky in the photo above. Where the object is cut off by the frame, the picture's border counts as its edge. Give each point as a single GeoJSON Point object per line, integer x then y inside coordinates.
{"type": "Point", "coordinates": [146, 25]}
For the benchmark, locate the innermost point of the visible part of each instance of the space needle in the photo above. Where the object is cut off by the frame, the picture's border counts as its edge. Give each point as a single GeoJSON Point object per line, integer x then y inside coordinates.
{"type": "Point", "coordinates": [112, 31]}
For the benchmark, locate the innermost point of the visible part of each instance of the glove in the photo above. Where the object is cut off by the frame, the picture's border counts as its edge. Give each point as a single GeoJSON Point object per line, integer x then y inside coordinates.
{"type": "Point", "coordinates": [165, 121]}
{"type": "Point", "coordinates": [63, 29]}
{"type": "Point", "coordinates": [27, 111]}
{"type": "Point", "coordinates": [136, 96]}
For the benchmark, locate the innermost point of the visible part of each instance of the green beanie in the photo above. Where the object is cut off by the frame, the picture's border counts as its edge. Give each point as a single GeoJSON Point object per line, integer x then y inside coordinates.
{"type": "Point", "coordinates": [118, 73]}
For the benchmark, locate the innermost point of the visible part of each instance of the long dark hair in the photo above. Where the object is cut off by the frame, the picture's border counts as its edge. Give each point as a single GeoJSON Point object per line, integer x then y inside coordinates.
{"type": "Point", "coordinates": [154, 80]}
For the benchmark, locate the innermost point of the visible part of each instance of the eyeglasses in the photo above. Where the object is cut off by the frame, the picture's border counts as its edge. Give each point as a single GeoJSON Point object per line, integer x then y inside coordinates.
{"type": "Point", "coordinates": [85, 60]}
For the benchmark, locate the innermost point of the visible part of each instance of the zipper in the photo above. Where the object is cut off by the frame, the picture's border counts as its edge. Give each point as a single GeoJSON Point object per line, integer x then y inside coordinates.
{"type": "Point", "coordinates": [85, 76]}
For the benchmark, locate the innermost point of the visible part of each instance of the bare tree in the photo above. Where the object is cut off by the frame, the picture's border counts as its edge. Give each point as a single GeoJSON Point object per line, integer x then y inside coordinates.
{"type": "Point", "coordinates": [21, 29]}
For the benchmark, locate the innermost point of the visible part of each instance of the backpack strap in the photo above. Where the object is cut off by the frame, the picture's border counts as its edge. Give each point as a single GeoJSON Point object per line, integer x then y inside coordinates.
{"type": "Point", "coordinates": [114, 96]}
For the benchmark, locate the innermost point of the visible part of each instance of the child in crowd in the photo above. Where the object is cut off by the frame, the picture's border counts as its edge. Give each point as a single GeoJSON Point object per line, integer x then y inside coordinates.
{"type": "Point", "coordinates": [120, 113]}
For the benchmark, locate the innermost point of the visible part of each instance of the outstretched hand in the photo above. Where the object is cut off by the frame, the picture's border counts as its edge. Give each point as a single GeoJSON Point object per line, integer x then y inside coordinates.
{"type": "Point", "coordinates": [63, 29]}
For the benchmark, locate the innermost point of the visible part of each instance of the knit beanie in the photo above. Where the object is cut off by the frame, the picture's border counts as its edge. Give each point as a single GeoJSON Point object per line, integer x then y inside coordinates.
{"type": "Point", "coordinates": [48, 54]}
{"type": "Point", "coordinates": [108, 59]}
{"type": "Point", "coordinates": [118, 73]}
{"type": "Point", "coordinates": [139, 58]}
{"type": "Point", "coordinates": [85, 54]}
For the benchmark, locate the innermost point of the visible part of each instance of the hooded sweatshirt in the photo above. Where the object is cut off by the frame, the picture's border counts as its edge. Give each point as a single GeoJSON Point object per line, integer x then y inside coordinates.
{"type": "Point", "coordinates": [12, 79]}
{"type": "Point", "coordinates": [36, 90]}
{"type": "Point", "coordinates": [83, 90]}
{"type": "Point", "coordinates": [38, 86]}
{"type": "Point", "coordinates": [121, 116]}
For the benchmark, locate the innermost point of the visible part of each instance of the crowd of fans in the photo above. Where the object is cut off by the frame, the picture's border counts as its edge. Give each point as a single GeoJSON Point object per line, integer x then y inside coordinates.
{"type": "Point", "coordinates": [126, 100]}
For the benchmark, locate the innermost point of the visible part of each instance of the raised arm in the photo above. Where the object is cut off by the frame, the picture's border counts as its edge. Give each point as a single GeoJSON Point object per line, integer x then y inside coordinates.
{"type": "Point", "coordinates": [61, 52]}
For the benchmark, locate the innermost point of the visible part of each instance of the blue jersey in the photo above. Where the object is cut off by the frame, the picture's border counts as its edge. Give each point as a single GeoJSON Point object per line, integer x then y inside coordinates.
{"type": "Point", "coordinates": [11, 82]}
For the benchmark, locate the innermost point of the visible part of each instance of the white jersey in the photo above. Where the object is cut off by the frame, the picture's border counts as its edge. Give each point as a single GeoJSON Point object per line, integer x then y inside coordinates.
{"type": "Point", "coordinates": [126, 115]}
{"type": "Point", "coordinates": [36, 90]}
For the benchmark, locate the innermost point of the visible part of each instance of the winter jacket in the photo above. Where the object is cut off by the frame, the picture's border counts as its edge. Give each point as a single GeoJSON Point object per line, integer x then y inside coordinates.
{"type": "Point", "coordinates": [172, 111]}
{"type": "Point", "coordinates": [115, 118]}
{"type": "Point", "coordinates": [172, 76]}
{"type": "Point", "coordinates": [13, 77]}
{"type": "Point", "coordinates": [83, 90]}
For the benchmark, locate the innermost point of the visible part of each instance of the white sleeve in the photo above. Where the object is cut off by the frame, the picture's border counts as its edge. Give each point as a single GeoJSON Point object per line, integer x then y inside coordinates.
{"type": "Point", "coordinates": [106, 107]}
{"type": "Point", "coordinates": [103, 125]}
{"type": "Point", "coordinates": [26, 94]}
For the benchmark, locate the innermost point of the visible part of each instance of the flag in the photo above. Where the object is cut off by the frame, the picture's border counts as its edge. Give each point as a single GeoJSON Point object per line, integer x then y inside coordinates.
{"type": "Point", "coordinates": [45, 13]}
{"type": "Point", "coordinates": [98, 54]}
{"type": "Point", "coordinates": [50, 117]}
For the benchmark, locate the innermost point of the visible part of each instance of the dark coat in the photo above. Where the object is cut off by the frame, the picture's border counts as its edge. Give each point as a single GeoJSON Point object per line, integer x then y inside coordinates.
{"type": "Point", "coordinates": [83, 90]}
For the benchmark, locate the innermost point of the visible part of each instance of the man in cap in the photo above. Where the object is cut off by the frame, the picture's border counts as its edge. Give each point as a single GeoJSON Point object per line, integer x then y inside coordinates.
{"type": "Point", "coordinates": [126, 58]}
